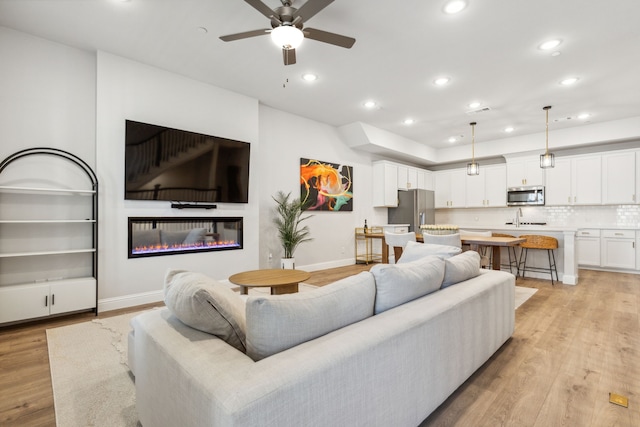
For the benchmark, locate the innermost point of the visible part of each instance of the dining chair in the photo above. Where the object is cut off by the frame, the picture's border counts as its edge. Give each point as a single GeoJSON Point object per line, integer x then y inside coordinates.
{"type": "Point", "coordinates": [398, 241]}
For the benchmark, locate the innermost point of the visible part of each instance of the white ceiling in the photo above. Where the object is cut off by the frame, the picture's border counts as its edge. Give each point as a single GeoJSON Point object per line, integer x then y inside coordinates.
{"type": "Point", "coordinates": [489, 50]}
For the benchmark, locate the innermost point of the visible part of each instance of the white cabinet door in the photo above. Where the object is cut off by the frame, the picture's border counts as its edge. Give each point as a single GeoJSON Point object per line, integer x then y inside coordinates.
{"type": "Point", "coordinates": [619, 178]}
{"type": "Point", "coordinates": [412, 178]}
{"type": "Point", "coordinates": [458, 188]}
{"type": "Point", "coordinates": [586, 182]}
{"type": "Point", "coordinates": [475, 190]}
{"type": "Point", "coordinates": [442, 186]}
{"type": "Point", "coordinates": [72, 295]}
{"type": "Point", "coordinates": [450, 188]}
{"type": "Point", "coordinates": [385, 184]}
{"type": "Point", "coordinates": [588, 244]}
{"type": "Point", "coordinates": [524, 171]}
{"type": "Point", "coordinates": [24, 302]}
{"type": "Point", "coordinates": [618, 249]}
{"type": "Point", "coordinates": [403, 177]}
{"type": "Point", "coordinates": [495, 185]}
{"type": "Point", "coordinates": [558, 184]}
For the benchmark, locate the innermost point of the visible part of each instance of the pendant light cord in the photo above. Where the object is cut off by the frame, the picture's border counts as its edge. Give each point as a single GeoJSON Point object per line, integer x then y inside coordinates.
{"type": "Point", "coordinates": [546, 152]}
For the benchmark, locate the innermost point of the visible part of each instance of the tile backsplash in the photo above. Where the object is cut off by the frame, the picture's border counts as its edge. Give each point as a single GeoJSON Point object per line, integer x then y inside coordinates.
{"type": "Point", "coordinates": [576, 216]}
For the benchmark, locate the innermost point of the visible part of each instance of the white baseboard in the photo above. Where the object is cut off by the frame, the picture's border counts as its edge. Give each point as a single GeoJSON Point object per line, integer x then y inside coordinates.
{"type": "Point", "coordinates": [127, 301]}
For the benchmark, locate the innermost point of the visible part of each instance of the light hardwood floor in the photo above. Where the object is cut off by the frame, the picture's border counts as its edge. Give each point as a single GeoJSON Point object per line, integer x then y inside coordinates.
{"type": "Point", "coordinates": [571, 347]}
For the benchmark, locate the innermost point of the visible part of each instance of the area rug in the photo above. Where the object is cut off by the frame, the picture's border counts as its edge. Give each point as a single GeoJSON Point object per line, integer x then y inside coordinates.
{"type": "Point", "coordinates": [523, 294]}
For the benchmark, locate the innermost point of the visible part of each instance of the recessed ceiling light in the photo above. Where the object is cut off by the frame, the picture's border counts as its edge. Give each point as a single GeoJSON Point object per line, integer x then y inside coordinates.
{"type": "Point", "coordinates": [556, 53]}
{"type": "Point", "coordinates": [408, 121]}
{"type": "Point", "coordinates": [455, 6]}
{"type": "Point", "coordinates": [309, 77]}
{"type": "Point", "coordinates": [370, 104]}
{"type": "Point", "coordinates": [474, 104]}
{"type": "Point", "coordinates": [441, 81]}
{"type": "Point", "coordinates": [452, 139]}
{"type": "Point", "coordinates": [509, 129]}
{"type": "Point", "coordinates": [584, 116]}
{"type": "Point", "coordinates": [201, 30]}
{"type": "Point", "coordinates": [550, 44]}
{"type": "Point", "coordinates": [568, 81]}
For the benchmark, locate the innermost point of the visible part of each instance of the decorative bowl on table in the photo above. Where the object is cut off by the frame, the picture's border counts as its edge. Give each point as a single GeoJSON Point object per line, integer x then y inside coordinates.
{"type": "Point", "coordinates": [439, 229]}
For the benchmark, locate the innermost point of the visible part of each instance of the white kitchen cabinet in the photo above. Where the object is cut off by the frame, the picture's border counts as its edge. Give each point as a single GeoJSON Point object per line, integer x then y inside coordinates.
{"type": "Point", "coordinates": [403, 177]}
{"type": "Point", "coordinates": [618, 249]}
{"type": "Point", "coordinates": [558, 184]}
{"type": "Point", "coordinates": [385, 184]}
{"type": "Point", "coordinates": [586, 180]}
{"type": "Point", "coordinates": [450, 188]}
{"type": "Point", "coordinates": [524, 171]}
{"type": "Point", "coordinates": [574, 181]}
{"type": "Point", "coordinates": [588, 243]}
{"type": "Point", "coordinates": [488, 189]}
{"type": "Point", "coordinates": [619, 178]}
{"type": "Point", "coordinates": [425, 180]}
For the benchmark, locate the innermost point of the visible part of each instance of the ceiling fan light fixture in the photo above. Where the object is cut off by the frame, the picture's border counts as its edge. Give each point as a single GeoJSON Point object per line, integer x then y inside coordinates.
{"type": "Point", "coordinates": [287, 36]}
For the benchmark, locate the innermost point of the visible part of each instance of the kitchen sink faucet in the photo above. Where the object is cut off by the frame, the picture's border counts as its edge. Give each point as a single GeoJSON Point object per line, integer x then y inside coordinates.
{"type": "Point", "coordinates": [518, 216]}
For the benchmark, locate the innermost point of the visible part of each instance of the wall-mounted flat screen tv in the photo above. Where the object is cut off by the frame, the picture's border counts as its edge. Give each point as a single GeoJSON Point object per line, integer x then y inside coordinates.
{"type": "Point", "coordinates": [162, 163]}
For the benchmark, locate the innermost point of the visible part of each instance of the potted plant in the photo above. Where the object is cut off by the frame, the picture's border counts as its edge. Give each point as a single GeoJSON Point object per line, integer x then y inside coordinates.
{"type": "Point", "coordinates": [287, 220]}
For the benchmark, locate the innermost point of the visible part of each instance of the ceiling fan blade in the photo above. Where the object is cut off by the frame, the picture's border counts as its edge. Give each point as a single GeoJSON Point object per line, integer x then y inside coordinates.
{"type": "Point", "coordinates": [310, 8]}
{"type": "Point", "coordinates": [245, 35]}
{"type": "Point", "coordinates": [327, 37]}
{"type": "Point", "coordinates": [261, 7]}
{"type": "Point", "coordinates": [289, 56]}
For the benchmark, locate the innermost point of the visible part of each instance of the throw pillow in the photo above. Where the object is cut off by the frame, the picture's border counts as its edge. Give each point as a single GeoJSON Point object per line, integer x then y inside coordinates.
{"type": "Point", "coordinates": [207, 305]}
{"type": "Point", "coordinates": [400, 283]}
{"type": "Point", "coordinates": [415, 250]}
{"type": "Point", "coordinates": [461, 267]}
{"type": "Point", "coordinates": [278, 322]}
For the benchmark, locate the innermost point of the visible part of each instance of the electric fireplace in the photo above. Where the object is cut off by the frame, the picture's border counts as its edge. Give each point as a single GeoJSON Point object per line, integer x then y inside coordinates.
{"type": "Point", "coordinates": [156, 236]}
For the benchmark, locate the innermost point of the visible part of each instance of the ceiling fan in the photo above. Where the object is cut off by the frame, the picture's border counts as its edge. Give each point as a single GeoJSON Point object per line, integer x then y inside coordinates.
{"type": "Point", "coordinates": [287, 27]}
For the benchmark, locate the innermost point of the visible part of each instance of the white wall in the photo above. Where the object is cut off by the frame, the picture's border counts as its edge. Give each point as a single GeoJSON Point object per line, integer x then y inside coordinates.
{"type": "Point", "coordinates": [47, 96]}
{"type": "Point", "coordinates": [130, 90]}
{"type": "Point", "coordinates": [284, 139]}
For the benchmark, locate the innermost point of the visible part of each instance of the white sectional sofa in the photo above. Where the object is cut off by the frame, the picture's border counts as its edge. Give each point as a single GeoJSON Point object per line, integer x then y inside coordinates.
{"type": "Point", "coordinates": [392, 368]}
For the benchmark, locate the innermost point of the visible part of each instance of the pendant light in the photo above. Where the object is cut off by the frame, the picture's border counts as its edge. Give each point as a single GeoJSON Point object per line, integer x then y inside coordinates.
{"type": "Point", "coordinates": [473, 168]}
{"type": "Point", "coordinates": [547, 160]}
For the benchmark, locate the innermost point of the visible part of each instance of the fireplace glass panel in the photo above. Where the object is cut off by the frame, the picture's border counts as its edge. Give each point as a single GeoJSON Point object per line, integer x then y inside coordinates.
{"type": "Point", "coordinates": [155, 236]}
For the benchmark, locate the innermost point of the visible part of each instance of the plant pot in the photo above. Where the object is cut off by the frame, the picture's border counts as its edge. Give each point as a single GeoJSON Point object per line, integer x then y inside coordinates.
{"type": "Point", "coordinates": [288, 263]}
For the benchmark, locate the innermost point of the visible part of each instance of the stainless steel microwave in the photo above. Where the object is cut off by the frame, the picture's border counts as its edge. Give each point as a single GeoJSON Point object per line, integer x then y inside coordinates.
{"type": "Point", "coordinates": [525, 196]}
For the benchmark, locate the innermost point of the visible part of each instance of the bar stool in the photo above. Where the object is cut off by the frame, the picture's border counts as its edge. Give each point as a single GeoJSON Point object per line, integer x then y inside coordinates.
{"type": "Point", "coordinates": [541, 243]}
{"type": "Point", "coordinates": [511, 251]}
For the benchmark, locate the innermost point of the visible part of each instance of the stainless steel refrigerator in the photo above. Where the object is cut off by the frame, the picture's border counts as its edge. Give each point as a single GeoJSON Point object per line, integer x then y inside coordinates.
{"type": "Point", "coordinates": [415, 207]}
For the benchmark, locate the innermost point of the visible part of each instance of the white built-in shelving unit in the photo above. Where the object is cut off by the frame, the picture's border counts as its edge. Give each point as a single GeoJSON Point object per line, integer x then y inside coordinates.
{"type": "Point", "coordinates": [48, 235]}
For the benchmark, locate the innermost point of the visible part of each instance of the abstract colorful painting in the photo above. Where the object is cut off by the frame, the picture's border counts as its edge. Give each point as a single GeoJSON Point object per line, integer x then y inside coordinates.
{"type": "Point", "coordinates": [326, 186]}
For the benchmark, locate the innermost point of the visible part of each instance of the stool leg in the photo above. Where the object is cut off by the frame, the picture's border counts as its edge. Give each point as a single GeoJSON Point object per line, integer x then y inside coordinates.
{"type": "Point", "coordinates": [550, 266]}
{"type": "Point", "coordinates": [554, 266]}
{"type": "Point", "coordinates": [524, 252]}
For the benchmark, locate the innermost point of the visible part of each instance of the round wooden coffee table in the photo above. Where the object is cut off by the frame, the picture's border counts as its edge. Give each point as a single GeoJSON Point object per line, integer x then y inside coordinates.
{"type": "Point", "coordinates": [281, 281]}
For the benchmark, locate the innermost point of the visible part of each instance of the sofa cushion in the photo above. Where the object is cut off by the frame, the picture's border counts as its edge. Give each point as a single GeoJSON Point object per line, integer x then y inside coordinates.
{"type": "Point", "coordinates": [399, 283]}
{"type": "Point", "coordinates": [415, 250]}
{"type": "Point", "coordinates": [461, 267]}
{"type": "Point", "coordinates": [278, 322]}
{"type": "Point", "coordinates": [204, 304]}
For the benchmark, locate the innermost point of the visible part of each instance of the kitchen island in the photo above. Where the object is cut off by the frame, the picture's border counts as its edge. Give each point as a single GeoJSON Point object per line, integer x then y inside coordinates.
{"type": "Point", "coordinates": [566, 257]}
